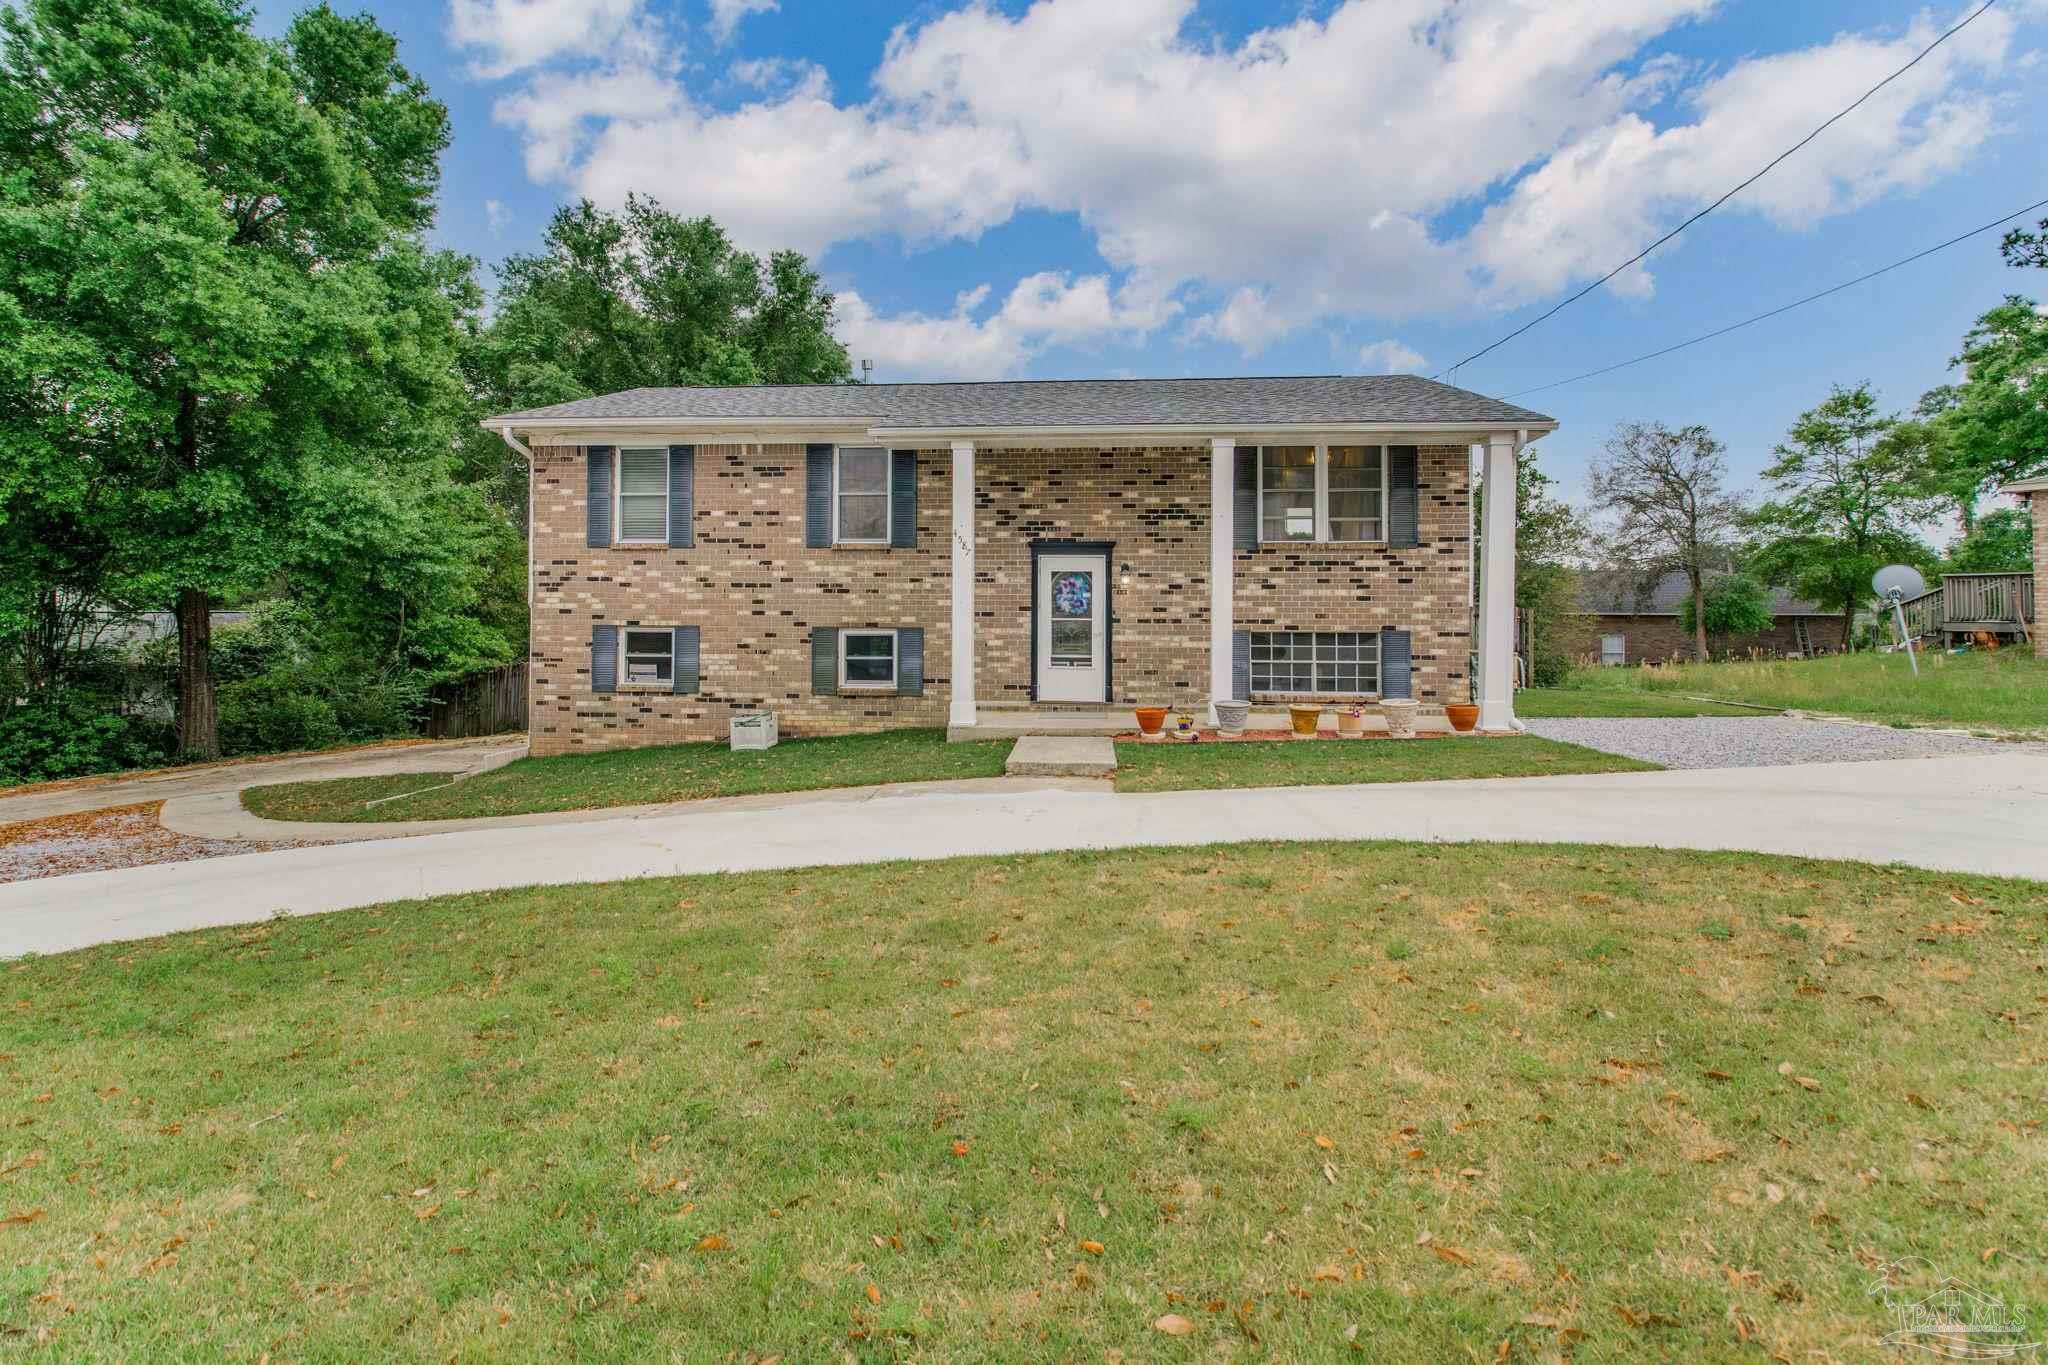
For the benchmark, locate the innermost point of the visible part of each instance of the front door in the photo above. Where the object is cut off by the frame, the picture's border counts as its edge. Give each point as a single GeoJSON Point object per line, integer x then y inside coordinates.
{"type": "Point", "coordinates": [1073, 634]}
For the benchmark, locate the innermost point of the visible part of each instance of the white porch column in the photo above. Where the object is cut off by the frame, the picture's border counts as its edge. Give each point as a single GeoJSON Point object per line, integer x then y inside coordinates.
{"type": "Point", "coordinates": [1497, 587]}
{"type": "Point", "coordinates": [1222, 566]}
{"type": "Point", "coordinates": [962, 710]}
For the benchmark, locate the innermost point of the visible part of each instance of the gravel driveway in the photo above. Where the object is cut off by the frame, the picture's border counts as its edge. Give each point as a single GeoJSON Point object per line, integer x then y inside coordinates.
{"type": "Point", "coordinates": [1757, 741]}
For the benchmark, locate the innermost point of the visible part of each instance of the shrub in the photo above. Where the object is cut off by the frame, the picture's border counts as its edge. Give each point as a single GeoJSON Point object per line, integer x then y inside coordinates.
{"type": "Point", "coordinates": [73, 734]}
{"type": "Point", "coordinates": [275, 712]}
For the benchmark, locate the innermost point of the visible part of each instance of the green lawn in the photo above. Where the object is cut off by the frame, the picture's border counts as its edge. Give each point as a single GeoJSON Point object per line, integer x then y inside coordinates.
{"type": "Point", "coordinates": [1289, 763]}
{"type": "Point", "coordinates": [1537, 702]}
{"type": "Point", "coordinates": [2006, 690]}
{"type": "Point", "coordinates": [630, 777]}
{"type": "Point", "coordinates": [1373, 1102]}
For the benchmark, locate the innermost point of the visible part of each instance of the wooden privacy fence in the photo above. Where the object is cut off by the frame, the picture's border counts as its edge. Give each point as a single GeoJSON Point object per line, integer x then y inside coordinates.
{"type": "Point", "coordinates": [481, 704]}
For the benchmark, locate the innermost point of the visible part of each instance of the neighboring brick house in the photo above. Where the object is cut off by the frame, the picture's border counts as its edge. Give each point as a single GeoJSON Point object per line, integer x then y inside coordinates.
{"type": "Point", "coordinates": [859, 557]}
{"type": "Point", "coordinates": [1624, 620]}
{"type": "Point", "coordinates": [2035, 491]}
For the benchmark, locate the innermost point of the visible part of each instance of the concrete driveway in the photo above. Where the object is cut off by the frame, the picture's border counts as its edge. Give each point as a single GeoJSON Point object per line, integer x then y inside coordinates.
{"type": "Point", "coordinates": [455, 755]}
{"type": "Point", "coordinates": [1981, 813]}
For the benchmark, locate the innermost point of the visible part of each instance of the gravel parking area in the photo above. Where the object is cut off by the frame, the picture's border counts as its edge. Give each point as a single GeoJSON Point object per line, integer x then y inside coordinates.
{"type": "Point", "coordinates": [1757, 741]}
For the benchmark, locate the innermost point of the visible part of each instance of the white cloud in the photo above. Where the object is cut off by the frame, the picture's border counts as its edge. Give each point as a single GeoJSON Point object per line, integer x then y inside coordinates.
{"type": "Point", "coordinates": [1309, 172]}
{"type": "Point", "coordinates": [1045, 309]}
{"type": "Point", "coordinates": [496, 215]}
{"type": "Point", "coordinates": [726, 16]}
{"type": "Point", "coordinates": [1389, 357]}
{"type": "Point", "coordinates": [507, 36]}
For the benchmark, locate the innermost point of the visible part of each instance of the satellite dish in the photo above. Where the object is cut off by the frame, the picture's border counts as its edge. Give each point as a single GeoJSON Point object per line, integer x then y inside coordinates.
{"type": "Point", "coordinates": [1902, 580]}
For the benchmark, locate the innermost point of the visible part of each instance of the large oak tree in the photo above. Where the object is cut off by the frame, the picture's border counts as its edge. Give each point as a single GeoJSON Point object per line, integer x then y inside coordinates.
{"type": "Point", "coordinates": [226, 350]}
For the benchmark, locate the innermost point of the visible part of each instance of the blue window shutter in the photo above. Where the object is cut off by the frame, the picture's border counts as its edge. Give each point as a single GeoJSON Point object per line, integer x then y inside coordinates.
{"type": "Point", "coordinates": [604, 658]}
{"type": "Point", "coordinates": [598, 493]}
{"type": "Point", "coordinates": [818, 497]}
{"type": "Point", "coordinates": [682, 497]}
{"type": "Point", "coordinates": [910, 662]}
{"type": "Point", "coordinates": [1240, 665]}
{"type": "Point", "coordinates": [903, 499]}
{"type": "Point", "coordinates": [824, 661]}
{"type": "Point", "coordinates": [687, 675]}
{"type": "Point", "coordinates": [1397, 664]}
{"type": "Point", "coordinates": [1404, 499]}
{"type": "Point", "coordinates": [1245, 514]}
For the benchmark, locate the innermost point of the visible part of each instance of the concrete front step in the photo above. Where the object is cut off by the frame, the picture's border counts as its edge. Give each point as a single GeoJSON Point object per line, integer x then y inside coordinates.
{"type": "Point", "coordinates": [1061, 756]}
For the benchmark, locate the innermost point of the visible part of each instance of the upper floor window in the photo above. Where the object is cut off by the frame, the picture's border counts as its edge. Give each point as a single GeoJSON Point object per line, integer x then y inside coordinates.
{"type": "Point", "coordinates": [643, 496]}
{"type": "Point", "coordinates": [1322, 493]}
{"type": "Point", "coordinates": [860, 496]}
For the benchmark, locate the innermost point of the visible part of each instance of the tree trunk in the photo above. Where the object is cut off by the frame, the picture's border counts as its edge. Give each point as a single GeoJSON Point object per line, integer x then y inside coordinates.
{"type": "Point", "coordinates": [1699, 619]}
{"type": "Point", "coordinates": [198, 719]}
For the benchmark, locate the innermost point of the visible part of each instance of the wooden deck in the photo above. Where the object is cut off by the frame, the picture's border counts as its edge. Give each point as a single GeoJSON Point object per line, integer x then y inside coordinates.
{"type": "Point", "coordinates": [1967, 604]}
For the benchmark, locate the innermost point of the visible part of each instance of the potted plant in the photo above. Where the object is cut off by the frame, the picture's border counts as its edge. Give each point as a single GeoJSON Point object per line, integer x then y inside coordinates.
{"type": "Point", "coordinates": [1400, 714]}
{"type": "Point", "coordinates": [1231, 716]}
{"type": "Point", "coordinates": [1463, 715]}
{"type": "Point", "coordinates": [1184, 726]}
{"type": "Point", "coordinates": [1150, 718]}
{"type": "Point", "coordinates": [1304, 717]}
{"type": "Point", "coordinates": [1351, 721]}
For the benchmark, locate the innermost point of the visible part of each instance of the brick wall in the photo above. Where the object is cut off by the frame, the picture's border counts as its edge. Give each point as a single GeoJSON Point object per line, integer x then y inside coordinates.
{"type": "Point", "coordinates": [755, 591]}
{"type": "Point", "coordinates": [1659, 639]}
{"type": "Point", "coordinates": [751, 587]}
{"type": "Point", "coordinates": [1425, 590]}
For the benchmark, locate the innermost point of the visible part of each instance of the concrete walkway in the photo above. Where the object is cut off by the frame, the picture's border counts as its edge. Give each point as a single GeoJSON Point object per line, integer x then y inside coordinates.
{"type": "Point", "coordinates": [1978, 813]}
{"type": "Point", "coordinates": [455, 755]}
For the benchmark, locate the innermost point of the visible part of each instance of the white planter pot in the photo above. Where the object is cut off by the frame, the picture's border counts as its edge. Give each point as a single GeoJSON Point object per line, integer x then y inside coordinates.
{"type": "Point", "coordinates": [1400, 714]}
{"type": "Point", "coordinates": [1232, 715]}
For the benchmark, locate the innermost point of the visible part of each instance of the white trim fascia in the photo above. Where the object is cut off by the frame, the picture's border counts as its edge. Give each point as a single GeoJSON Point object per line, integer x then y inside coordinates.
{"type": "Point", "coordinates": [1174, 433]}
{"type": "Point", "coordinates": [2025, 486]}
{"type": "Point", "coordinates": [727, 430]}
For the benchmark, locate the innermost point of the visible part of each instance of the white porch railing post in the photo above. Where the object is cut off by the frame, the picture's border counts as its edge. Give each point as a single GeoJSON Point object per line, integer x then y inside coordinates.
{"type": "Point", "coordinates": [962, 709]}
{"type": "Point", "coordinates": [1497, 587]}
{"type": "Point", "coordinates": [1222, 567]}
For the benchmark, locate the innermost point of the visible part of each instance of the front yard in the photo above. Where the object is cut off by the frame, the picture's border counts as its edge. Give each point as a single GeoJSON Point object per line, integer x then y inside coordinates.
{"type": "Point", "coordinates": [1374, 1102]}
{"type": "Point", "coordinates": [631, 777]}
{"type": "Point", "coordinates": [1291, 763]}
{"type": "Point", "coordinates": [683, 772]}
{"type": "Point", "coordinates": [2004, 691]}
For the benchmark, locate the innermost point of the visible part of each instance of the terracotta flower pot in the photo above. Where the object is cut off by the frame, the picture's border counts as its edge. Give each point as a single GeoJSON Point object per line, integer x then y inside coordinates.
{"type": "Point", "coordinates": [1150, 718]}
{"type": "Point", "coordinates": [1462, 715]}
{"type": "Point", "coordinates": [1304, 719]}
{"type": "Point", "coordinates": [1351, 723]}
{"type": "Point", "coordinates": [1232, 715]}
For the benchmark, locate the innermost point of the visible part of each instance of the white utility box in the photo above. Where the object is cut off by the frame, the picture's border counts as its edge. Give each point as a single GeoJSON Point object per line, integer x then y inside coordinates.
{"type": "Point", "coordinates": [755, 731]}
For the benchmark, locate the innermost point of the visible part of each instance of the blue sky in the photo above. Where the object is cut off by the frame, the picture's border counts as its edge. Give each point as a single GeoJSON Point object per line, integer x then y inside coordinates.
{"type": "Point", "coordinates": [1176, 187]}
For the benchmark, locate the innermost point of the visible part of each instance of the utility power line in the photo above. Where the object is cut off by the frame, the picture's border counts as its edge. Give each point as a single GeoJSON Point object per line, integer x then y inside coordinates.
{"type": "Point", "coordinates": [1768, 168]}
{"type": "Point", "coordinates": [1788, 307]}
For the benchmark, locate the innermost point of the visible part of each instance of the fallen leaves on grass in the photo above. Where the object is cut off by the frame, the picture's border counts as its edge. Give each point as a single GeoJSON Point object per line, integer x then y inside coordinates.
{"type": "Point", "coordinates": [1174, 1325]}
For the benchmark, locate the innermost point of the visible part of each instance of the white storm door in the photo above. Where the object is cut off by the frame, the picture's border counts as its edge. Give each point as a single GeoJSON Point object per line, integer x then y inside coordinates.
{"type": "Point", "coordinates": [1073, 634]}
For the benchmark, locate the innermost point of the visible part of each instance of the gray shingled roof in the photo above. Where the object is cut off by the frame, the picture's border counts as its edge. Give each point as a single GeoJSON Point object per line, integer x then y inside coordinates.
{"type": "Point", "coordinates": [1607, 593]}
{"type": "Point", "coordinates": [1062, 402]}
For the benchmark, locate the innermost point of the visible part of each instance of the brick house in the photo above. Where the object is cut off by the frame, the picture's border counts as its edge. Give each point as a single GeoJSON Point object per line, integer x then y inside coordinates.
{"type": "Point", "coordinates": [2035, 492]}
{"type": "Point", "coordinates": [860, 557]}
{"type": "Point", "coordinates": [1623, 620]}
